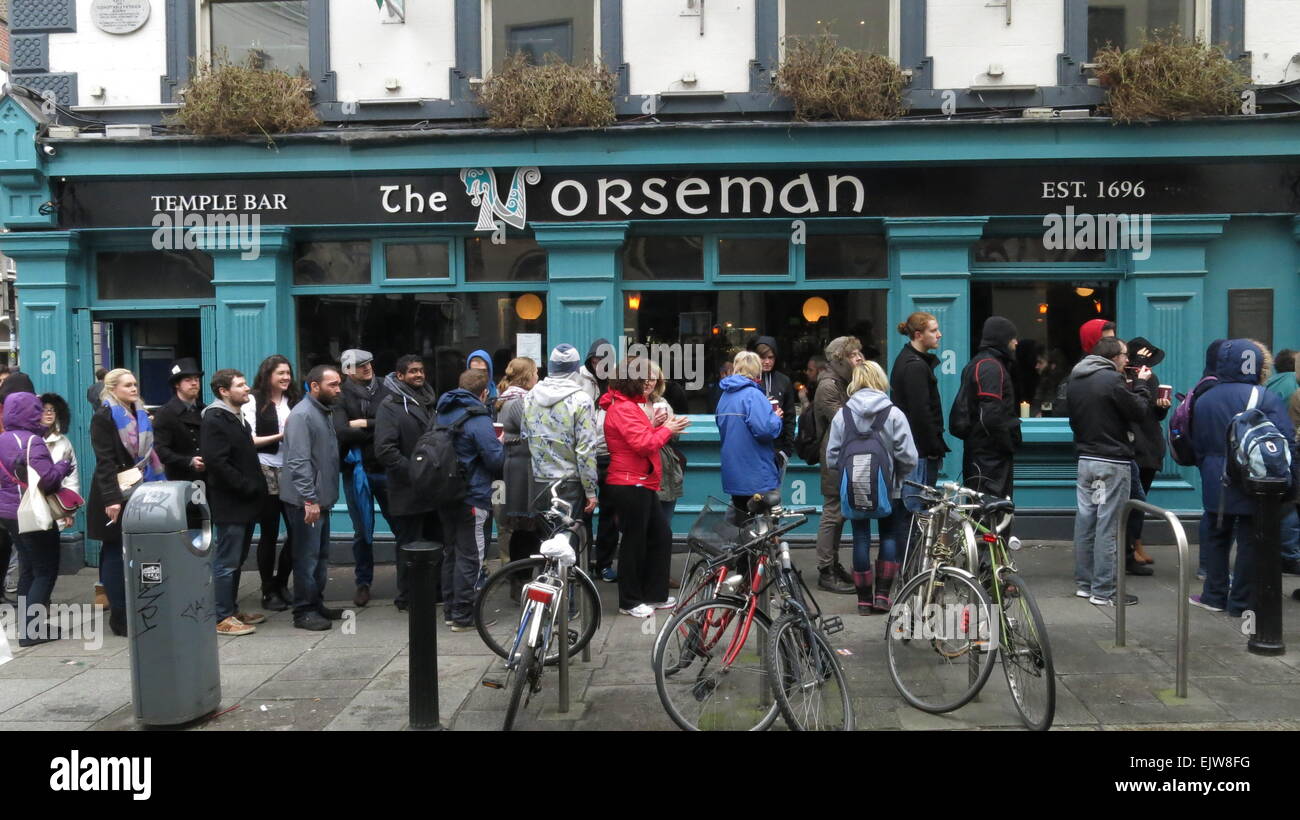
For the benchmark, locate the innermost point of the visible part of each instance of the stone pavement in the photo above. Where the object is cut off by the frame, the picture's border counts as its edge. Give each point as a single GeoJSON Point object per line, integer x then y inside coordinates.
{"type": "Point", "coordinates": [282, 678]}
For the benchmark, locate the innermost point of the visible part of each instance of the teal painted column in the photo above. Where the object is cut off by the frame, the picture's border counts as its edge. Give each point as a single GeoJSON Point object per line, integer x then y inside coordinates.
{"type": "Point", "coordinates": [246, 325]}
{"type": "Point", "coordinates": [583, 303]}
{"type": "Point", "coordinates": [930, 258]}
{"type": "Point", "coordinates": [1166, 294]}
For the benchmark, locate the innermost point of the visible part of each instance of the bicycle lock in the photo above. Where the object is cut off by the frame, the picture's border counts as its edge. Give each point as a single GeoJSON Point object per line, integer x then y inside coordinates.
{"type": "Point", "coordinates": [1184, 610]}
{"type": "Point", "coordinates": [423, 560]}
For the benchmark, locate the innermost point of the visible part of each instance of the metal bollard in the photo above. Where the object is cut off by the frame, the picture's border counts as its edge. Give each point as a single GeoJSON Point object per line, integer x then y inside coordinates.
{"type": "Point", "coordinates": [564, 648]}
{"type": "Point", "coordinates": [1266, 639]}
{"type": "Point", "coordinates": [423, 560]}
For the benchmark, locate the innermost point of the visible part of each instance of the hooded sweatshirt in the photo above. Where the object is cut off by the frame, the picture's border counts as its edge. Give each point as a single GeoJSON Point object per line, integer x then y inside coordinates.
{"type": "Point", "coordinates": [994, 417]}
{"type": "Point", "coordinates": [776, 385]}
{"type": "Point", "coordinates": [587, 377]}
{"type": "Point", "coordinates": [560, 425]}
{"type": "Point", "coordinates": [477, 448]}
{"type": "Point", "coordinates": [748, 430]}
{"type": "Point", "coordinates": [865, 405]}
{"type": "Point", "coordinates": [1104, 410]}
{"type": "Point", "coordinates": [22, 420]}
{"type": "Point", "coordinates": [492, 379]}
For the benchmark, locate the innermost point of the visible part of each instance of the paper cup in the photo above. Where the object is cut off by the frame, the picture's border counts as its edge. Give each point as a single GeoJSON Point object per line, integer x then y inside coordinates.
{"type": "Point", "coordinates": [1165, 392]}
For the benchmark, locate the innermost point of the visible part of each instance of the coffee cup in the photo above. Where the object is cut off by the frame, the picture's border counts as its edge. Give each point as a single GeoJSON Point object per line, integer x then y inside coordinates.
{"type": "Point", "coordinates": [499, 429]}
{"type": "Point", "coordinates": [775, 404]}
{"type": "Point", "coordinates": [1165, 392]}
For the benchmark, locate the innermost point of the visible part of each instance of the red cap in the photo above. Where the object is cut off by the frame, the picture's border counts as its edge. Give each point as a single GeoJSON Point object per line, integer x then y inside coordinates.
{"type": "Point", "coordinates": [1090, 334]}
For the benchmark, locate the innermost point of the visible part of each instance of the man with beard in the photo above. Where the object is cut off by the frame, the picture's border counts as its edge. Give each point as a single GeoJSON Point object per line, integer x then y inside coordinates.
{"type": "Point", "coordinates": [309, 486]}
{"type": "Point", "coordinates": [176, 424]}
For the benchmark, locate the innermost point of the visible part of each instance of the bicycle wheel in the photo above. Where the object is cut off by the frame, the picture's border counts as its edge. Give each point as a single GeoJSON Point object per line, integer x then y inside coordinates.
{"type": "Point", "coordinates": [498, 608]}
{"type": "Point", "coordinates": [526, 675]}
{"type": "Point", "coordinates": [1026, 655]}
{"type": "Point", "coordinates": [938, 640]}
{"type": "Point", "coordinates": [709, 668]}
{"type": "Point", "coordinates": [806, 678]}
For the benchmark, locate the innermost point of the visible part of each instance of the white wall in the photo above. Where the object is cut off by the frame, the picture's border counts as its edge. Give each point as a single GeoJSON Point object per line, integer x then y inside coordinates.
{"type": "Point", "coordinates": [130, 67]}
{"type": "Point", "coordinates": [419, 53]}
{"type": "Point", "coordinates": [964, 37]}
{"type": "Point", "coordinates": [659, 45]}
{"type": "Point", "coordinates": [1272, 38]}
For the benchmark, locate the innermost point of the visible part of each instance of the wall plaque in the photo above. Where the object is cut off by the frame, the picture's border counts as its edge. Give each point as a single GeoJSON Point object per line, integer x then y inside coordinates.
{"type": "Point", "coordinates": [119, 16]}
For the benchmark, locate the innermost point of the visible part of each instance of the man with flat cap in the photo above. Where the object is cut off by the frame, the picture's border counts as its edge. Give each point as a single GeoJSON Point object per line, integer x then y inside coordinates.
{"type": "Point", "coordinates": [355, 425]}
{"type": "Point", "coordinates": [176, 424]}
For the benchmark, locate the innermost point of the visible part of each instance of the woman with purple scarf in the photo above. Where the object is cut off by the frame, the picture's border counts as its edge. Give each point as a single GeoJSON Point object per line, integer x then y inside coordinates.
{"type": "Point", "coordinates": [122, 438]}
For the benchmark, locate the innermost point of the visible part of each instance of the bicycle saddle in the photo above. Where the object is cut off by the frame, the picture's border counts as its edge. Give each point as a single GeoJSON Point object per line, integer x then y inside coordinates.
{"type": "Point", "coordinates": [998, 506]}
{"type": "Point", "coordinates": [761, 503]}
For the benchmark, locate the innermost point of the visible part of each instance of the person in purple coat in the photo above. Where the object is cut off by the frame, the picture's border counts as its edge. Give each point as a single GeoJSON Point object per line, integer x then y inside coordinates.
{"type": "Point", "coordinates": [38, 552]}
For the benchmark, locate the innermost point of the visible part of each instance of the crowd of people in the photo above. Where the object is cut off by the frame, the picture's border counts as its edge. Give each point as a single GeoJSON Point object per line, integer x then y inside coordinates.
{"type": "Point", "coordinates": [277, 451]}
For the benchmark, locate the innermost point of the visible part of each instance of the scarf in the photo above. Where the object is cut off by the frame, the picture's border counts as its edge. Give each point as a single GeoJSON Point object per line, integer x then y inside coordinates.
{"type": "Point", "coordinates": [136, 434]}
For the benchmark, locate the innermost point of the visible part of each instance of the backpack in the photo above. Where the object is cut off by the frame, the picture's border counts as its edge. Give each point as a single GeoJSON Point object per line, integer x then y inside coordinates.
{"type": "Point", "coordinates": [434, 469]}
{"type": "Point", "coordinates": [960, 423]}
{"type": "Point", "coordinates": [1180, 425]}
{"type": "Point", "coordinates": [807, 444]}
{"type": "Point", "coordinates": [1258, 455]}
{"type": "Point", "coordinates": [866, 469]}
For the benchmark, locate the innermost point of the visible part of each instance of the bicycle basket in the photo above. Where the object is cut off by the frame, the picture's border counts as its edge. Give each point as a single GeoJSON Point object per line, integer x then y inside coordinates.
{"type": "Point", "coordinates": [715, 530]}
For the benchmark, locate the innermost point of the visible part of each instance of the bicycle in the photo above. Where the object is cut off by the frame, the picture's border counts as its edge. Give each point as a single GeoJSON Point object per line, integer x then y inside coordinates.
{"type": "Point", "coordinates": [943, 617]}
{"type": "Point", "coordinates": [724, 664]}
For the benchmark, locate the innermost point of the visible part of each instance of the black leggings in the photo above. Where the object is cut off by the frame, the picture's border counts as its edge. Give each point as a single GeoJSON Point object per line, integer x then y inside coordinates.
{"type": "Point", "coordinates": [646, 547]}
{"type": "Point", "coordinates": [275, 575]}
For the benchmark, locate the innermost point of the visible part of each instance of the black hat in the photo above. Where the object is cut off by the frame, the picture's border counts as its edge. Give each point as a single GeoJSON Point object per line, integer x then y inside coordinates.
{"type": "Point", "coordinates": [1142, 353]}
{"type": "Point", "coordinates": [182, 368]}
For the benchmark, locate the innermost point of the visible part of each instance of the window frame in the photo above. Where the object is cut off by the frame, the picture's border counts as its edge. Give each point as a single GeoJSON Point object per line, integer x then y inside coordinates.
{"type": "Point", "coordinates": [486, 33]}
{"type": "Point", "coordinates": [895, 29]}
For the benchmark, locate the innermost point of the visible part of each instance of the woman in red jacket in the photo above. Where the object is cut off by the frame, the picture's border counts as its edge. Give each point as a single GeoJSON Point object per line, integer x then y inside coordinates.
{"type": "Point", "coordinates": [632, 487]}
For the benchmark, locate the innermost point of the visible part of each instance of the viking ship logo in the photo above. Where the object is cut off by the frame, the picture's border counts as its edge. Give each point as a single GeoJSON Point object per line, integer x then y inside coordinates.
{"type": "Point", "coordinates": [481, 185]}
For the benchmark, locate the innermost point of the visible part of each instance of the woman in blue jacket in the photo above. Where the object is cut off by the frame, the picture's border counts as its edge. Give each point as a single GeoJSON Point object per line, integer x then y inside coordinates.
{"type": "Point", "coordinates": [749, 427]}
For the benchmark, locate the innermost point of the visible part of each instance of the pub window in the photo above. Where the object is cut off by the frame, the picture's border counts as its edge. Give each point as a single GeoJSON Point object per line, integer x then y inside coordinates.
{"type": "Point", "coordinates": [444, 328]}
{"type": "Point", "coordinates": [858, 24]}
{"type": "Point", "coordinates": [664, 257]}
{"type": "Point", "coordinates": [716, 324]}
{"type": "Point", "coordinates": [332, 263]}
{"type": "Point", "coordinates": [846, 257]}
{"type": "Point", "coordinates": [417, 260]}
{"type": "Point", "coordinates": [1120, 22]}
{"type": "Point", "coordinates": [269, 35]}
{"type": "Point", "coordinates": [753, 256]}
{"type": "Point", "coordinates": [1047, 315]}
{"type": "Point", "coordinates": [1030, 249]}
{"type": "Point", "coordinates": [520, 259]}
{"type": "Point", "coordinates": [565, 28]}
{"type": "Point", "coordinates": [154, 275]}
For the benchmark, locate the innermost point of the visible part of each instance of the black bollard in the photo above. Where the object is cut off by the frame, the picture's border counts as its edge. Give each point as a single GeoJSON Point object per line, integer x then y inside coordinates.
{"type": "Point", "coordinates": [424, 560]}
{"type": "Point", "coordinates": [1266, 638]}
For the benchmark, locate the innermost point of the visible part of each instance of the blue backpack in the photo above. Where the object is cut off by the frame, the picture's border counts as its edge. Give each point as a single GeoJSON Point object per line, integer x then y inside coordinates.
{"type": "Point", "coordinates": [866, 469]}
{"type": "Point", "coordinates": [1258, 455]}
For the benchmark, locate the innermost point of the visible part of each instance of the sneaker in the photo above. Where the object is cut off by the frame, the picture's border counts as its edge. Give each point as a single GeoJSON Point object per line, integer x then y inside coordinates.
{"type": "Point", "coordinates": [363, 595]}
{"type": "Point", "coordinates": [250, 618]}
{"type": "Point", "coordinates": [1132, 567]}
{"type": "Point", "coordinates": [669, 604]}
{"type": "Point", "coordinates": [1083, 593]}
{"type": "Point", "coordinates": [468, 626]}
{"type": "Point", "coordinates": [1200, 575]}
{"type": "Point", "coordinates": [330, 613]}
{"type": "Point", "coordinates": [1195, 600]}
{"type": "Point", "coordinates": [234, 626]}
{"type": "Point", "coordinates": [1129, 600]}
{"type": "Point", "coordinates": [312, 621]}
{"type": "Point", "coordinates": [1290, 566]}
{"type": "Point", "coordinates": [271, 601]}
{"type": "Point", "coordinates": [608, 575]}
{"type": "Point", "coordinates": [638, 611]}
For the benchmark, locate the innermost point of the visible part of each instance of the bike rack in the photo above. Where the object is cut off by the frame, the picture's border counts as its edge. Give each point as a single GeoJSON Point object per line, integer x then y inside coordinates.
{"type": "Point", "coordinates": [563, 707]}
{"type": "Point", "coordinates": [1184, 609]}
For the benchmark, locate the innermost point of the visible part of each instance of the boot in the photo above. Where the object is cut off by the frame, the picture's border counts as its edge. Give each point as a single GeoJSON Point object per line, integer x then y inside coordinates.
{"type": "Point", "coordinates": [1140, 554]}
{"type": "Point", "coordinates": [886, 571]}
{"type": "Point", "coordinates": [826, 580]}
{"type": "Point", "coordinates": [862, 582]}
{"type": "Point", "coordinates": [117, 622]}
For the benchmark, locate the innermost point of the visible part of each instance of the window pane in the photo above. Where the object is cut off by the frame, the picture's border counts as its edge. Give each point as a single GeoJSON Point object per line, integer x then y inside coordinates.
{"type": "Point", "coordinates": [332, 263]}
{"type": "Point", "coordinates": [664, 257]}
{"type": "Point", "coordinates": [690, 318]}
{"type": "Point", "coordinates": [155, 275]}
{"type": "Point", "coordinates": [520, 259]}
{"type": "Point", "coordinates": [424, 260]}
{"type": "Point", "coordinates": [540, 27]}
{"type": "Point", "coordinates": [1120, 22]}
{"type": "Point", "coordinates": [274, 34]}
{"type": "Point", "coordinates": [994, 250]}
{"type": "Point", "coordinates": [444, 328]}
{"type": "Point", "coordinates": [754, 257]}
{"type": "Point", "coordinates": [846, 257]}
{"type": "Point", "coordinates": [1047, 316]}
{"type": "Point", "coordinates": [858, 24]}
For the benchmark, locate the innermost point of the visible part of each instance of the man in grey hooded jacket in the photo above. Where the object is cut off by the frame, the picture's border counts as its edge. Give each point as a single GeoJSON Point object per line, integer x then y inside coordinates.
{"type": "Point", "coordinates": [560, 426]}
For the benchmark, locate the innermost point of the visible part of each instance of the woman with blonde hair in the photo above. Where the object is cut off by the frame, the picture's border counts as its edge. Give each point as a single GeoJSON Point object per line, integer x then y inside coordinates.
{"type": "Point", "coordinates": [868, 400]}
{"type": "Point", "coordinates": [515, 518]}
{"type": "Point", "coordinates": [122, 437]}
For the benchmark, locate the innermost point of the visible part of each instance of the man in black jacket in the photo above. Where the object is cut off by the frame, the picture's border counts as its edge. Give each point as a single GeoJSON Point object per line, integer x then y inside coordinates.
{"type": "Point", "coordinates": [985, 415]}
{"type": "Point", "coordinates": [777, 386]}
{"type": "Point", "coordinates": [404, 414]}
{"type": "Point", "coordinates": [1103, 410]}
{"type": "Point", "coordinates": [355, 425]}
{"type": "Point", "coordinates": [235, 492]}
{"type": "Point", "coordinates": [176, 424]}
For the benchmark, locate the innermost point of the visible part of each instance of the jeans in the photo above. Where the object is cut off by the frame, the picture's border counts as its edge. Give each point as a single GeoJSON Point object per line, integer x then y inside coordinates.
{"type": "Point", "coordinates": [112, 574]}
{"type": "Point", "coordinates": [829, 530]}
{"type": "Point", "coordinates": [460, 562]}
{"type": "Point", "coordinates": [1140, 480]}
{"type": "Point", "coordinates": [1290, 533]}
{"type": "Point", "coordinates": [1101, 491]}
{"type": "Point", "coordinates": [6, 552]}
{"type": "Point", "coordinates": [38, 555]}
{"type": "Point", "coordinates": [1215, 551]}
{"type": "Point", "coordinates": [926, 472]}
{"type": "Point", "coordinates": [311, 549]}
{"type": "Point", "coordinates": [275, 574]}
{"type": "Point", "coordinates": [408, 529]}
{"type": "Point", "coordinates": [889, 535]}
{"type": "Point", "coordinates": [647, 546]}
{"type": "Point", "coordinates": [233, 541]}
{"type": "Point", "coordinates": [363, 551]}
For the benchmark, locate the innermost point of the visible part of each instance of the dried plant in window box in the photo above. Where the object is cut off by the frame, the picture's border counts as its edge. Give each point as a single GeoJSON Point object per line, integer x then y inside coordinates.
{"type": "Point", "coordinates": [827, 81]}
{"type": "Point", "coordinates": [555, 94]}
{"type": "Point", "coordinates": [229, 100]}
{"type": "Point", "coordinates": [1168, 77]}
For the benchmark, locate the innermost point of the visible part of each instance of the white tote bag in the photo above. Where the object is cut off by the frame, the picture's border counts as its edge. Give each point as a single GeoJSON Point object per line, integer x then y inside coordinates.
{"type": "Point", "coordinates": [33, 510]}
